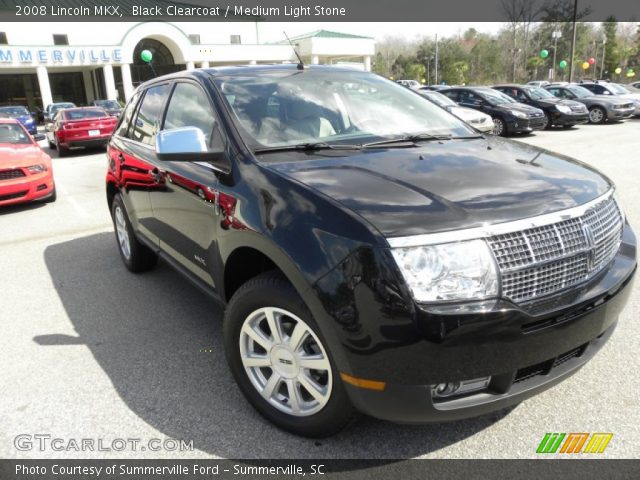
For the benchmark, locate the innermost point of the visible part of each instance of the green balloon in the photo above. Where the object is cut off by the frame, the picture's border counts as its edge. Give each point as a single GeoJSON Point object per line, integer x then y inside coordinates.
{"type": "Point", "coordinates": [563, 64]}
{"type": "Point", "coordinates": [544, 53]}
{"type": "Point", "coordinates": [146, 56]}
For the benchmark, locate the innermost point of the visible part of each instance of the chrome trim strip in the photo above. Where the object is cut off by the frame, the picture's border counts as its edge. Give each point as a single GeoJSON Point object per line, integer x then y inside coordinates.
{"type": "Point", "coordinates": [496, 229]}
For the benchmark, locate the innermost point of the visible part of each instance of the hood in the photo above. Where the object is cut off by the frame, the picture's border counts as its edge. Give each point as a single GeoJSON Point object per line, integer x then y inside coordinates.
{"type": "Point", "coordinates": [446, 185]}
{"type": "Point", "coordinates": [12, 156]}
{"type": "Point", "coordinates": [521, 107]}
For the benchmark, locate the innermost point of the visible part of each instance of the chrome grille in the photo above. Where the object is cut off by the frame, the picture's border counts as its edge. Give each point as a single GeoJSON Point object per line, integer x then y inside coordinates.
{"type": "Point", "coordinates": [543, 260]}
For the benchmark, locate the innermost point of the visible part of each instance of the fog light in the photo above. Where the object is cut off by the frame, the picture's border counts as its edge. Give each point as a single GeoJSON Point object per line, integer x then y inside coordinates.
{"type": "Point", "coordinates": [449, 389]}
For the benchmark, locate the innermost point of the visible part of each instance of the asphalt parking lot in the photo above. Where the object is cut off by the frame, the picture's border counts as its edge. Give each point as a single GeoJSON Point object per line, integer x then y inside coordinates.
{"type": "Point", "coordinates": [90, 351]}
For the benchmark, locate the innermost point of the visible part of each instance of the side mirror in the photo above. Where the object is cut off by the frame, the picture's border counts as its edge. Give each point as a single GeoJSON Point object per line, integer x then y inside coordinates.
{"type": "Point", "coordinates": [189, 144]}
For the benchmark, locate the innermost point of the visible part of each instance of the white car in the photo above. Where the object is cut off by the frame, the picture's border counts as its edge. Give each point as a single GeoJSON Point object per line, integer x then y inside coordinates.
{"type": "Point", "coordinates": [478, 120]}
{"type": "Point", "coordinates": [412, 84]}
{"type": "Point", "coordinates": [538, 83]}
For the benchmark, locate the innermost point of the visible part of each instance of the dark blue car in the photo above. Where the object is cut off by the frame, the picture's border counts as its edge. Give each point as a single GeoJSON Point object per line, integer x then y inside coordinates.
{"type": "Point", "coordinates": [22, 115]}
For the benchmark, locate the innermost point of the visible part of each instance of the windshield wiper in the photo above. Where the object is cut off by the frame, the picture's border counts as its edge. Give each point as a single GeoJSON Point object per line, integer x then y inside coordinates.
{"type": "Point", "coordinates": [409, 140]}
{"type": "Point", "coordinates": [308, 147]}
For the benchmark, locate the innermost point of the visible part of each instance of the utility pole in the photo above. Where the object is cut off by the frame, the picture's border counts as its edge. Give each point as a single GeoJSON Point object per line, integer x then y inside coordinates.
{"type": "Point", "coordinates": [436, 65]}
{"type": "Point", "coordinates": [556, 35]}
{"type": "Point", "coordinates": [573, 41]}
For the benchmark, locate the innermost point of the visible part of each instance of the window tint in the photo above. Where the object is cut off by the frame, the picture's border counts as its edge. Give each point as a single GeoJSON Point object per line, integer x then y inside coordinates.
{"type": "Point", "coordinates": [84, 113]}
{"type": "Point", "coordinates": [126, 116]}
{"type": "Point", "coordinates": [147, 122]}
{"type": "Point", "coordinates": [190, 107]}
{"type": "Point", "coordinates": [452, 94]}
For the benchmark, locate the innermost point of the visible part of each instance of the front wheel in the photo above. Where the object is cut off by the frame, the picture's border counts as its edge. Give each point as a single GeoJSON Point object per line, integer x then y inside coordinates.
{"type": "Point", "coordinates": [597, 115]}
{"type": "Point", "coordinates": [547, 121]}
{"type": "Point", "coordinates": [499, 127]}
{"type": "Point", "coordinates": [281, 362]}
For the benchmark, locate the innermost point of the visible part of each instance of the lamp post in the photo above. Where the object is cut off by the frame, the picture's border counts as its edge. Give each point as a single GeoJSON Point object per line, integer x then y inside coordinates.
{"type": "Point", "coordinates": [573, 41]}
{"type": "Point", "coordinates": [556, 34]}
{"type": "Point", "coordinates": [604, 42]}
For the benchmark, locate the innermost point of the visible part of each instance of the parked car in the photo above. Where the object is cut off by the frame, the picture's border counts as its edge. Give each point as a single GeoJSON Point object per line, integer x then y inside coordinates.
{"type": "Point", "coordinates": [614, 90]}
{"type": "Point", "coordinates": [53, 108]}
{"type": "Point", "coordinates": [412, 84]}
{"type": "Point", "coordinates": [79, 127]}
{"type": "Point", "coordinates": [538, 83]}
{"type": "Point", "coordinates": [508, 116]}
{"type": "Point", "coordinates": [635, 84]}
{"type": "Point", "coordinates": [26, 173]}
{"type": "Point", "coordinates": [112, 107]}
{"type": "Point", "coordinates": [562, 113]}
{"type": "Point", "coordinates": [435, 87]}
{"type": "Point", "coordinates": [373, 252]}
{"type": "Point", "coordinates": [601, 107]}
{"type": "Point", "coordinates": [480, 121]}
{"type": "Point", "coordinates": [21, 114]}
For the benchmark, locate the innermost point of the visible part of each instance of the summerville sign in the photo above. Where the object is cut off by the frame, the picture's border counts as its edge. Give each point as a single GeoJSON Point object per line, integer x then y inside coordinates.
{"type": "Point", "coordinates": [59, 55]}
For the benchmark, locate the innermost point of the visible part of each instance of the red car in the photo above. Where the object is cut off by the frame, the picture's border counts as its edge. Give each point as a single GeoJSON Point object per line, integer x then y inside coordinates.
{"type": "Point", "coordinates": [80, 127]}
{"type": "Point", "coordinates": [25, 170]}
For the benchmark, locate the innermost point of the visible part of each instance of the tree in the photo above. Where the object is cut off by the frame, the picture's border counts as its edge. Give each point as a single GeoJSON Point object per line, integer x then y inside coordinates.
{"type": "Point", "coordinates": [611, 54]}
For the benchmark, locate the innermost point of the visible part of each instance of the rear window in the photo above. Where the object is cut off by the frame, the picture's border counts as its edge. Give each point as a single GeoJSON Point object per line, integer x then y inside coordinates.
{"type": "Point", "coordinates": [82, 114]}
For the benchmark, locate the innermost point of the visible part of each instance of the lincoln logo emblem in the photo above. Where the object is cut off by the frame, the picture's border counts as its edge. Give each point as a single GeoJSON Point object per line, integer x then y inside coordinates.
{"type": "Point", "coordinates": [591, 243]}
{"type": "Point", "coordinates": [285, 361]}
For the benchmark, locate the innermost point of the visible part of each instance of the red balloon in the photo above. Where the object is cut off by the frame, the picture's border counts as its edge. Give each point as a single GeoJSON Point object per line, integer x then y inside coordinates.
{"type": "Point", "coordinates": [592, 61]}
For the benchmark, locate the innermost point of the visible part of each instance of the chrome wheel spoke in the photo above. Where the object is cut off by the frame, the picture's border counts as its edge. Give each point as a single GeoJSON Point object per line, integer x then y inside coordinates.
{"type": "Point", "coordinates": [271, 386]}
{"type": "Point", "coordinates": [316, 391]}
{"type": "Point", "coordinates": [295, 399]}
{"type": "Point", "coordinates": [256, 361]}
{"type": "Point", "coordinates": [316, 362]}
{"type": "Point", "coordinates": [297, 336]}
{"type": "Point", "coordinates": [274, 324]}
{"type": "Point", "coordinates": [257, 337]}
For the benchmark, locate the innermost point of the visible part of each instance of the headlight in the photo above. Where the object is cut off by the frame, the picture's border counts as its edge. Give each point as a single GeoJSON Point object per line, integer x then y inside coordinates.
{"type": "Point", "coordinates": [518, 114]}
{"type": "Point", "coordinates": [563, 108]}
{"type": "Point", "coordinates": [449, 271]}
{"type": "Point", "coordinates": [37, 168]}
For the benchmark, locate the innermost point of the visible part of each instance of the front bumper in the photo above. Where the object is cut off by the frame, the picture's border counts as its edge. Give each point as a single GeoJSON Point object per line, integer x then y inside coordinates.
{"type": "Point", "coordinates": [619, 113]}
{"type": "Point", "coordinates": [573, 118]}
{"type": "Point", "coordinates": [26, 189]}
{"type": "Point", "coordinates": [412, 349]}
{"type": "Point", "coordinates": [525, 125]}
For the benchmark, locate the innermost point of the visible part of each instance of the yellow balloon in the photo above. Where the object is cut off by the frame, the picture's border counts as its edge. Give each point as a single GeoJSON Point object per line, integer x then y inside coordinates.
{"type": "Point", "coordinates": [618, 71]}
{"type": "Point", "coordinates": [585, 65]}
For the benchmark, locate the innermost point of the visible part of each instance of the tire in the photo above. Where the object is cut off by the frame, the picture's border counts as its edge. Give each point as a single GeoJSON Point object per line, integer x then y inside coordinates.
{"type": "Point", "coordinates": [135, 256]}
{"type": "Point", "coordinates": [500, 127]}
{"type": "Point", "coordinates": [263, 300]}
{"type": "Point", "coordinates": [567, 127]}
{"type": "Point", "coordinates": [62, 151]}
{"type": "Point", "coordinates": [52, 146]}
{"type": "Point", "coordinates": [597, 115]}
{"type": "Point", "coordinates": [547, 121]}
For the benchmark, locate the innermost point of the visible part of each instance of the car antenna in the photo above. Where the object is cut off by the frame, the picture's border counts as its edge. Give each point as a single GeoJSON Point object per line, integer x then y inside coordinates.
{"type": "Point", "coordinates": [301, 63]}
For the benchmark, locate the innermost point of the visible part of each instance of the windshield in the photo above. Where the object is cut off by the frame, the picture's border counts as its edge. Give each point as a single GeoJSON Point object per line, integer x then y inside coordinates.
{"type": "Point", "coordinates": [280, 108]}
{"type": "Point", "coordinates": [580, 92]}
{"type": "Point", "coordinates": [60, 106]}
{"type": "Point", "coordinates": [14, 111]}
{"type": "Point", "coordinates": [84, 113]}
{"type": "Point", "coordinates": [437, 98]}
{"type": "Point", "coordinates": [495, 97]}
{"type": "Point", "coordinates": [112, 104]}
{"type": "Point", "coordinates": [619, 89]}
{"type": "Point", "coordinates": [13, 134]}
{"type": "Point", "coordinates": [539, 93]}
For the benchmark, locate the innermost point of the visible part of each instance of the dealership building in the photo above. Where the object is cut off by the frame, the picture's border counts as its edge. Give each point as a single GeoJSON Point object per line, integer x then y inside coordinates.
{"type": "Point", "coordinates": [41, 63]}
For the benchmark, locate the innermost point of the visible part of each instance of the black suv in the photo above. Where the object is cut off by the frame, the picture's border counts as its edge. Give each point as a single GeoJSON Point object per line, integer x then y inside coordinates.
{"type": "Point", "coordinates": [508, 115]}
{"type": "Point", "coordinates": [565, 113]}
{"type": "Point", "coordinates": [373, 252]}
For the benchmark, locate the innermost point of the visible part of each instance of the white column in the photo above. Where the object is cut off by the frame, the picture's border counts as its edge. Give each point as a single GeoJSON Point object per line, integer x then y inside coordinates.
{"type": "Point", "coordinates": [315, 60]}
{"type": "Point", "coordinates": [109, 82]}
{"type": "Point", "coordinates": [204, 65]}
{"type": "Point", "coordinates": [191, 66]}
{"type": "Point", "coordinates": [88, 86]}
{"type": "Point", "coordinates": [367, 63]}
{"type": "Point", "coordinates": [45, 86]}
{"type": "Point", "coordinates": [127, 85]}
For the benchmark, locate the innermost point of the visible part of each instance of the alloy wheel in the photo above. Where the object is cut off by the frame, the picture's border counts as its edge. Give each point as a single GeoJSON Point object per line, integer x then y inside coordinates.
{"type": "Point", "coordinates": [285, 361]}
{"type": "Point", "coordinates": [122, 233]}
{"type": "Point", "coordinates": [596, 115]}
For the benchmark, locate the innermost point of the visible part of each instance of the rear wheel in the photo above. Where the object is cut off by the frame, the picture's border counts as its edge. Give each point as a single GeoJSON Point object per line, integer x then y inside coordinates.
{"type": "Point", "coordinates": [547, 121]}
{"type": "Point", "coordinates": [597, 115]}
{"type": "Point", "coordinates": [136, 256]}
{"type": "Point", "coordinates": [281, 362]}
{"type": "Point", "coordinates": [62, 151]}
